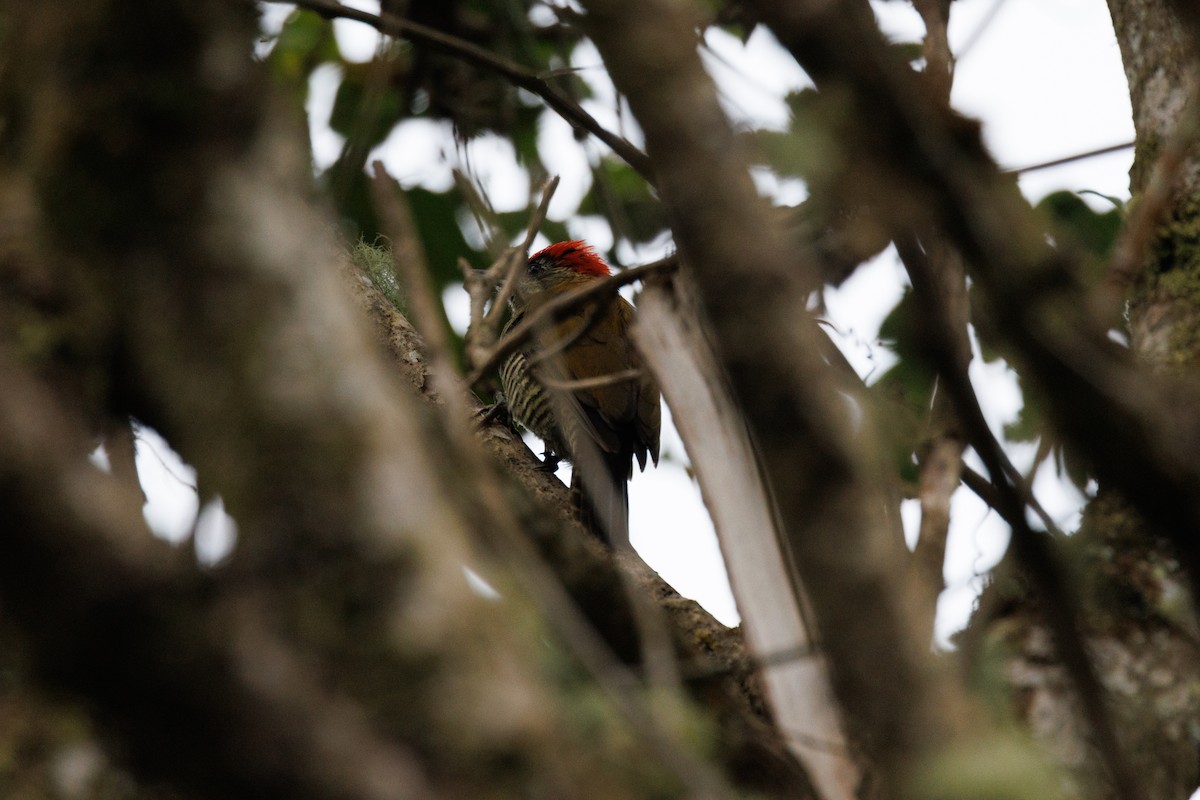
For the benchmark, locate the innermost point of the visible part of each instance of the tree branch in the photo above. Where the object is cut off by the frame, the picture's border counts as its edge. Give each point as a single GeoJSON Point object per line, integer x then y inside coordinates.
{"type": "Point", "coordinates": [567, 108]}
{"type": "Point", "coordinates": [777, 628]}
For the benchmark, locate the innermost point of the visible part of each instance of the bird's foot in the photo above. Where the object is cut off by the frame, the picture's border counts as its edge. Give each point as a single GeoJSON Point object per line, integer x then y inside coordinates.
{"type": "Point", "coordinates": [550, 461]}
{"type": "Point", "coordinates": [497, 411]}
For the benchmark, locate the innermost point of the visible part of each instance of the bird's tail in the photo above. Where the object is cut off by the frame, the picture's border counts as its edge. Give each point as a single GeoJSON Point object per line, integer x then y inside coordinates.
{"type": "Point", "coordinates": [601, 497]}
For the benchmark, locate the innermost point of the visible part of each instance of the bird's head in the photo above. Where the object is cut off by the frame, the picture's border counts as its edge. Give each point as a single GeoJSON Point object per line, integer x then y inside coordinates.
{"type": "Point", "coordinates": [562, 265]}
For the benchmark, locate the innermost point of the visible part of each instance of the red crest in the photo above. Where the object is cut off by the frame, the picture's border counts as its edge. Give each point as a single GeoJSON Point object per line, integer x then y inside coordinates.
{"type": "Point", "coordinates": [577, 256]}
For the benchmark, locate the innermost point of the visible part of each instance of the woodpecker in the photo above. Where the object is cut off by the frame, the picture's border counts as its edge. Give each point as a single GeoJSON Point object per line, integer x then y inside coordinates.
{"type": "Point", "coordinates": [580, 385]}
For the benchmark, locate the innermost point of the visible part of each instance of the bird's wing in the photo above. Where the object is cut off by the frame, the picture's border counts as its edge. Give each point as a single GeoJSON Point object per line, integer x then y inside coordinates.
{"type": "Point", "coordinates": [602, 349]}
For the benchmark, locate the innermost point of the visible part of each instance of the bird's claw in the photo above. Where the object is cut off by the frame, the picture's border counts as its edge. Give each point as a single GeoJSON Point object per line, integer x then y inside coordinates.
{"type": "Point", "coordinates": [496, 411]}
{"type": "Point", "coordinates": [550, 461]}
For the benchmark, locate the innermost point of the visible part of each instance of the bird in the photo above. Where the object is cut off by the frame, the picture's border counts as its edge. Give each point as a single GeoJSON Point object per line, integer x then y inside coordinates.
{"type": "Point", "coordinates": [582, 387]}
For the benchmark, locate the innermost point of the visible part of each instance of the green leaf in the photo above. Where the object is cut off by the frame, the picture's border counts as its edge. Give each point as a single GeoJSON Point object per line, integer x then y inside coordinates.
{"type": "Point", "coordinates": [1073, 466]}
{"type": "Point", "coordinates": [900, 331]}
{"type": "Point", "coordinates": [367, 105]}
{"type": "Point", "coordinates": [909, 51]}
{"type": "Point", "coordinates": [810, 148]}
{"type": "Point", "coordinates": [1068, 215]}
{"type": "Point", "coordinates": [525, 138]}
{"type": "Point", "coordinates": [305, 41]}
{"type": "Point", "coordinates": [622, 197]}
{"type": "Point", "coordinates": [1029, 424]}
{"type": "Point", "coordinates": [437, 221]}
{"type": "Point", "coordinates": [911, 381]}
{"type": "Point", "coordinates": [903, 395]}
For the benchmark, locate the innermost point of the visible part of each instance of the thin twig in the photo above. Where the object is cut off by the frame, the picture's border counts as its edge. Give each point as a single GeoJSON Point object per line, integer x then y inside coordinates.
{"type": "Point", "coordinates": [479, 288]}
{"type": "Point", "coordinates": [520, 255]}
{"type": "Point", "coordinates": [549, 350]}
{"type": "Point", "coordinates": [518, 75]}
{"type": "Point", "coordinates": [1058, 162]}
{"type": "Point", "coordinates": [986, 491]}
{"type": "Point", "coordinates": [484, 327]}
{"type": "Point", "coordinates": [162, 462]}
{"type": "Point", "coordinates": [560, 307]}
{"type": "Point", "coordinates": [598, 382]}
{"type": "Point", "coordinates": [482, 211]}
{"type": "Point", "coordinates": [980, 29]}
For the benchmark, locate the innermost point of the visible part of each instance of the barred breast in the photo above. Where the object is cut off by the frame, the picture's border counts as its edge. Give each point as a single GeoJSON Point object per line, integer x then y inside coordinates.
{"type": "Point", "coordinates": [526, 399]}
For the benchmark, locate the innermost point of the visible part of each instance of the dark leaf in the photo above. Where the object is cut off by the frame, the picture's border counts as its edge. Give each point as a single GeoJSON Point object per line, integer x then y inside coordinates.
{"type": "Point", "coordinates": [305, 41]}
{"type": "Point", "coordinates": [368, 105]}
{"type": "Point", "coordinates": [621, 196]}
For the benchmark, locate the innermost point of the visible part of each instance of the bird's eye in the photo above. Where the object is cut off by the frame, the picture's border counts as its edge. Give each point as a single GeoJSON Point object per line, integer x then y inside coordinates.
{"type": "Point", "coordinates": [537, 266]}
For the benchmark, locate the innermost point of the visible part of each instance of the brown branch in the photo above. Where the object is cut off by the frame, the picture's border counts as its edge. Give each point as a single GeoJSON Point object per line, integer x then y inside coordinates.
{"type": "Point", "coordinates": [482, 211]}
{"type": "Point", "coordinates": [980, 29]}
{"type": "Point", "coordinates": [777, 628]}
{"type": "Point", "coordinates": [940, 472]}
{"type": "Point", "coordinates": [941, 464]}
{"type": "Point", "coordinates": [567, 108]}
{"type": "Point", "coordinates": [939, 61]}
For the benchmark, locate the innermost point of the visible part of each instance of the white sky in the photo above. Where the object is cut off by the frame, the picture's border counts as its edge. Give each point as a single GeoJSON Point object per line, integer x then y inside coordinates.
{"type": "Point", "coordinates": [1045, 78]}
